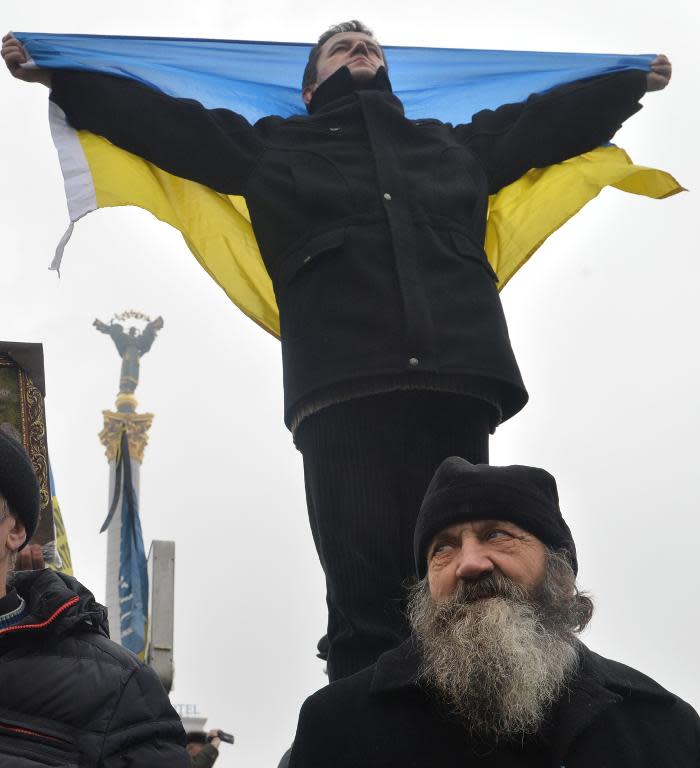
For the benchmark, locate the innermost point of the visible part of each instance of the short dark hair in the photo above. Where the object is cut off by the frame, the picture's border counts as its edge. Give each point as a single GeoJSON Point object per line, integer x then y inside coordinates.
{"type": "Point", "coordinates": [311, 71]}
{"type": "Point", "coordinates": [196, 737]}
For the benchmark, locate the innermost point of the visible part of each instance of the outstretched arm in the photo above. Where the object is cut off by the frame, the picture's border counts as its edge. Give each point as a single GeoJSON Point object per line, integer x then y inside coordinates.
{"type": "Point", "coordinates": [102, 327]}
{"type": "Point", "coordinates": [215, 147]}
{"type": "Point", "coordinates": [554, 126]}
{"type": "Point", "coordinates": [148, 335]}
{"type": "Point", "coordinates": [15, 55]}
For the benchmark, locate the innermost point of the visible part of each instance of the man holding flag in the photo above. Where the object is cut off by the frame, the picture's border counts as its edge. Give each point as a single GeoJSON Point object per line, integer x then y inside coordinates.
{"type": "Point", "coordinates": [371, 226]}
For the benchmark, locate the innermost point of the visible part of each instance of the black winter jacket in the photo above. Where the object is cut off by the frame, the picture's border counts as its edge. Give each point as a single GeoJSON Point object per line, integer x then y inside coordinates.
{"type": "Point", "coordinates": [70, 697]}
{"type": "Point", "coordinates": [611, 717]}
{"type": "Point", "coordinates": [371, 225]}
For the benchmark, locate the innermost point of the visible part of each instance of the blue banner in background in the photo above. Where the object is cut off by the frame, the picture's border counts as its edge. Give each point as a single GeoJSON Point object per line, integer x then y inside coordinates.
{"type": "Point", "coordinates": [257, 79]}
{"type": "Point", "coordinates": [133, 570]}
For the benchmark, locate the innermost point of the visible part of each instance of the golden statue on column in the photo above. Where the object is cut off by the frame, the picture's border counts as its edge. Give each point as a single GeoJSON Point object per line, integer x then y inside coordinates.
{"type": "Point", "coordinates": [132, 345]}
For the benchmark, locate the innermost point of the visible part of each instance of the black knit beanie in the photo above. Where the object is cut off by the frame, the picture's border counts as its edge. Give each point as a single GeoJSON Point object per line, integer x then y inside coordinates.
{"type": "Point", "coordinates": [461, 491]}
{"type": "Point", "coordinates": [18, 483]}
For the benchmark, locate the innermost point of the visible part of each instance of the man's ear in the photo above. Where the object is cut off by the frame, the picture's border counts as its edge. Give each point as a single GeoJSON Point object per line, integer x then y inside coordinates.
{"type": "Point", "coordinates": [308, 93]}
{"type": "Point", "coordinates": [16, 536]}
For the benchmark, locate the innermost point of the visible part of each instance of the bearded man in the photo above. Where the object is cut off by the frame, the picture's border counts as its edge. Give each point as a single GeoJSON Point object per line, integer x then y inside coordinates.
{"type": "Point", "coordinates": [493, 673]}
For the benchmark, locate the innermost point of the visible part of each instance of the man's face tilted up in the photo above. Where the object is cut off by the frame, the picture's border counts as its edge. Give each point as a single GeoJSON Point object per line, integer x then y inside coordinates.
{"type": "Point", "coordinates": [357, 51]}
{"type": "Point", "coordinates": [495, 618]}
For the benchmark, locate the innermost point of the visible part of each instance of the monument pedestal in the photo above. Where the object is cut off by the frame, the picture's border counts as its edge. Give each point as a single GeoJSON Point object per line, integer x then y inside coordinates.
{"type": "Point", "coordinates": [136, 426]}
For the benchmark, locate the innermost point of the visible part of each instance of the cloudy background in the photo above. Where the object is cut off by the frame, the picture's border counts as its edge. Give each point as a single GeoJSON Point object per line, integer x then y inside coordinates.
{"type": "Point", "coordinates": [603, 319]}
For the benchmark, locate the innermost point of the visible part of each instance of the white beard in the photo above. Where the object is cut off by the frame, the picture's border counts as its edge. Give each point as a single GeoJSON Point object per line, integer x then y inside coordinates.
{"type": "Point", "coordinates": [497, 664]}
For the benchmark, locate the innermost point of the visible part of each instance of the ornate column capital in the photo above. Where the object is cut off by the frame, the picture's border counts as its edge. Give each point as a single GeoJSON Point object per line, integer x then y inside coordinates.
{"type": "Point", "coordinates": [137, 426]}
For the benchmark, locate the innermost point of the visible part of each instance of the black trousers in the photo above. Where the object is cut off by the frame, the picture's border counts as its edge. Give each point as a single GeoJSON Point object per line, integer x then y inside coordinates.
{"type": "Point", "coordinates": [367, 464]}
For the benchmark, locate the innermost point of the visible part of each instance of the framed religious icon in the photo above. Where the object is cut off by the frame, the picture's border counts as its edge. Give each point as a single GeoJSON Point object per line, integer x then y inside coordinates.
{"type": "Point", "coordinates": [22, 415]}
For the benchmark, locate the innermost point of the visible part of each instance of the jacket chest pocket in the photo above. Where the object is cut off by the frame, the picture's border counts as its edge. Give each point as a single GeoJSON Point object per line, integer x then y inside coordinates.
{"type": "Point", "coordinates": [458, 186]}
{"type": "Point", "coordinates": [301, 285]}
{"type": "Point", "coordinates": [319, 187]}
{"type": "Point", "coordinates": [336, 297]}
{"type": "Point", "coordinates": [25, 748]}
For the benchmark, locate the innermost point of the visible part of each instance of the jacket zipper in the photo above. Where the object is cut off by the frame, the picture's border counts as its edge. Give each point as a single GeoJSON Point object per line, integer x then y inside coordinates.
{"type": "Point", "coordinates": [35, 734]}
{"type": "Point", "coordinates": [43, 624]}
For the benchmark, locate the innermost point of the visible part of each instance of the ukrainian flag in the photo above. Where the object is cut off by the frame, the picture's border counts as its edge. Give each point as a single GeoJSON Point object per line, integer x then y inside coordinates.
{"type": "Point", "coordinates": [257, 79]}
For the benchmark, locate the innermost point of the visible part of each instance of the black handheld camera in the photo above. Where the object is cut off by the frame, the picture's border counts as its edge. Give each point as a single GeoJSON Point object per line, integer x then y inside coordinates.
{"type": "Point", "coordinates": [227, 737]}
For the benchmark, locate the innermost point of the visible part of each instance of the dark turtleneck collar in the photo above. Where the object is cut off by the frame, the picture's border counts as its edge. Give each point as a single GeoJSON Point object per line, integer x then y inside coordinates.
{"type": "Point", "coordinates": [341, 84]}
{"type": "Point", "coordinates": [9, 602]}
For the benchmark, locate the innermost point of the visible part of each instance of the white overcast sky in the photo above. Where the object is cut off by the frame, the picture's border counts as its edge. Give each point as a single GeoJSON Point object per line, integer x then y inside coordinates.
{"type": "Point", "coordinates": [603, 320]}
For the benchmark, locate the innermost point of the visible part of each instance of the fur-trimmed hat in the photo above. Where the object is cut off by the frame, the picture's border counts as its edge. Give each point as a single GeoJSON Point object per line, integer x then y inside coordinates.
{"type": "Point", "coordinates": [461, 491]}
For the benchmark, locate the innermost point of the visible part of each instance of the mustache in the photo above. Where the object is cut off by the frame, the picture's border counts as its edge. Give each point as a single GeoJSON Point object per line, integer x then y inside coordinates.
{"type": "Point", "coordinates": [490, 585]}
{"type": "Point", "coordinates": [497, 665]}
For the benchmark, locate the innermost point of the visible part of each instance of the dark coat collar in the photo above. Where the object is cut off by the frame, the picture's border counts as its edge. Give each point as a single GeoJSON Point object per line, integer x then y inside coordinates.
{"type": "Point", "coordinates": [397, 669]}
{"type": "Point", "coordinates": [341, 84]}
{"type": "Point", "coordinates": [56, 604]}
{"type": "Point", "coordinates": [599, 684]}
{"type": "Point", "coordinates": [10, 602]}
